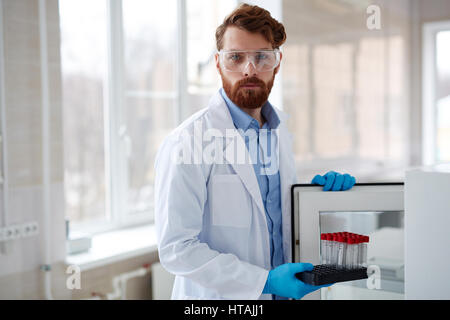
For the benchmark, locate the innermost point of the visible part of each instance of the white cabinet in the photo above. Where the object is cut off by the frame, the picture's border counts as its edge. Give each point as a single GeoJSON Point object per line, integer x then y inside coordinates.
{"type": "Point", "coordinates": [427, 234]}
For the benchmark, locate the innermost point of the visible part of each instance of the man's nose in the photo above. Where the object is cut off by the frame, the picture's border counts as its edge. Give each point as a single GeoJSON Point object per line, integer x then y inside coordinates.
{"type": "Point", "coordinates": [250, 69]}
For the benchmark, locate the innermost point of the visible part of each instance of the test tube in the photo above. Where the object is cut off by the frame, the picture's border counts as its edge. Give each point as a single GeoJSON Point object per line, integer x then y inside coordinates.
{"type": "Point", "coordinates": [342, 246]}
{"type": "Point", "coordinates": [360, 239]}
{"type": "Point", "coordinates": [350, 253]}
{"type": "Point", "coordinates": [329, 247]}
{"type": "Point", "coordinates": [323, 248]}
{"type": "Point", "coordinates": [334, 249]}
{"type": "Point", "coordinates": [364, 243]}
{"type": "Point", "coordinates": [358, 248]}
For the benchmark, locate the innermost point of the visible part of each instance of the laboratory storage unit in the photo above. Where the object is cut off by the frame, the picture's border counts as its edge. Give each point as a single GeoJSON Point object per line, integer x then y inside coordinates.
{"type": "Point", "coordinates": [407, 224]}
{"type": "Point", "coordinates": [375, 210]}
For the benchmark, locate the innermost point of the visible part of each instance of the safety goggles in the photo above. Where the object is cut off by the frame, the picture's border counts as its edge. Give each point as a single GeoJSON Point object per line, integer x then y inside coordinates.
{"type": "Point", "coordinates": [238, 61]}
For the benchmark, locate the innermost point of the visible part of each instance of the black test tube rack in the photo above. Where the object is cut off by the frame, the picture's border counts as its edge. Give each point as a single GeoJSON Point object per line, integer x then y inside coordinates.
{"type": "Point", "coordinates": [328, 274]}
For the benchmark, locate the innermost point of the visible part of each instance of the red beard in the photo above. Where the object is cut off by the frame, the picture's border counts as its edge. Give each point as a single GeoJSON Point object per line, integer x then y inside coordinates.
{"type": "Point", "coordinates": [248, 98]}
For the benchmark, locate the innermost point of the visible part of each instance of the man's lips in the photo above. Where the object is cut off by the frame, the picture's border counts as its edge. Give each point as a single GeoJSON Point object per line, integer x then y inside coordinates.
{"type": "Point", "coordinates": [250, 85]}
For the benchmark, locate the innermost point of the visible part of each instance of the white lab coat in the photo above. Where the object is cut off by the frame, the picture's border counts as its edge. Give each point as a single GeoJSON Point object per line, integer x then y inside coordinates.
{"type": "Point", "coordinates": [210, 220]}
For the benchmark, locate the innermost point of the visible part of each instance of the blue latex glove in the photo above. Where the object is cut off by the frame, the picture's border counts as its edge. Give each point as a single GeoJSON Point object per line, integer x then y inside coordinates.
{"type": "Point", "coordinates": [334, 181]}
{"type": "Point", "coordinates": [282, 281]}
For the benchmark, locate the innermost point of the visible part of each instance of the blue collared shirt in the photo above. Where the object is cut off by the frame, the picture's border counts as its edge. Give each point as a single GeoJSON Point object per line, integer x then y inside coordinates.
{"type": "Point", "coordinates": [268, 178]}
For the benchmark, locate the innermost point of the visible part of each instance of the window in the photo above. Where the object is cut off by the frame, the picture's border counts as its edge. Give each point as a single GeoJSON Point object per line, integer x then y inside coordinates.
{"type": "Point", "coordinates": [150, 94]}
{"type": "Point", "coordinates": [203, 17]}
{"type": "Point", "coordinates": [436, 92]}
{"type": "Point", "coordinates": [345, 88]}
{"type": "Point", "coordinates": [131, 72]}
{"type": "Point", "coordinates": [84, 59]}
{"type": "Point", "coordinates": [119, 61]}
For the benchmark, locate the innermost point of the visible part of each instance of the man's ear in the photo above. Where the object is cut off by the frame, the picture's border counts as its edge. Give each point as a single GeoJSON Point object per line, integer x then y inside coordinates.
{"type": "Point", "coordinates": [216, 57]}
{"type": "Point", "coordinates": [279, 64]}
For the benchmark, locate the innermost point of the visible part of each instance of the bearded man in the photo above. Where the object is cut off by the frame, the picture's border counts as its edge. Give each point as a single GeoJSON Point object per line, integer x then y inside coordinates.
{"type": "Point", "coordinates": [224, 225]}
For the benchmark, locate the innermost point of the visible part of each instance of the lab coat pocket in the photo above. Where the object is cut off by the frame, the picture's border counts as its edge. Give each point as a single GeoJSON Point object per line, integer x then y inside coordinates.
{"type": "Point", "coordinates": [231, 203]}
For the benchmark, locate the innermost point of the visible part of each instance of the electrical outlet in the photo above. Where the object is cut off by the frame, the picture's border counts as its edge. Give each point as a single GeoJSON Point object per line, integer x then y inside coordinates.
{"type": "Point", "coordinates": [34, 228]}
{"type": "Point", "coordinates": [30, 229]}
{"type": "Point", "coordinates": [8, 233]}
{"type": "Point", "coordinates": [26, 230]}
{"type": "Point", "coordinates": [17, 231]}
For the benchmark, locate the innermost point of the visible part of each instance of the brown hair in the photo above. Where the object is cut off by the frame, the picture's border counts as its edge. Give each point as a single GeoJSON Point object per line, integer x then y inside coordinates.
{"type": "Point", "coordinates": [253, 19]}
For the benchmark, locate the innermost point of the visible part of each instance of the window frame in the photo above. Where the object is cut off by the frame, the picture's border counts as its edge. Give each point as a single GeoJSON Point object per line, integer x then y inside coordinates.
{"type": "Point", "coordinates": [429, 80]}
{"type": "Point", "coordinates": [4, 181]}
{"type": "Point", "coordinates": [116, 139]}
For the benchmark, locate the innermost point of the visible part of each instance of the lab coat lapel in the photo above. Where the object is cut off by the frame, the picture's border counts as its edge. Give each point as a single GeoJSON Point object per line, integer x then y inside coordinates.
{"type": "Point", "coordinates": [235, 148]}
{"type": "Point", "coordinates": [287, 178]}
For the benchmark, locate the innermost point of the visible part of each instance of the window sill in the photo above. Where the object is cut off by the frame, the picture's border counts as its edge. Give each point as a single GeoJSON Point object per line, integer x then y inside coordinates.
{"type": "Point", "coordinates": [116, 246]}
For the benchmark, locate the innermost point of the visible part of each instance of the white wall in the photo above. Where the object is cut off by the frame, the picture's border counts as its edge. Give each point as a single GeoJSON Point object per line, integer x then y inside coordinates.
{"type": "Point", "coordinates": [22, 104]}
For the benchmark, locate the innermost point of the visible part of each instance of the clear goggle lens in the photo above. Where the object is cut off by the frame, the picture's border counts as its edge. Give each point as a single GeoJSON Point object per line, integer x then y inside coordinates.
{"type": "Point", "coordinates": [262, 60]}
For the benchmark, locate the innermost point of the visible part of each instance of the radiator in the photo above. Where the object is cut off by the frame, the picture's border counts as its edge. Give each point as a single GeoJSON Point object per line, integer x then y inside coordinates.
{"type": "Point", "coordinates": [162, 282]}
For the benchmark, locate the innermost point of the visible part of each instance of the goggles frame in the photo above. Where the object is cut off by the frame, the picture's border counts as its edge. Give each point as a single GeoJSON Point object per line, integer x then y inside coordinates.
{"type": "Point", "coordinates": [250, 59]}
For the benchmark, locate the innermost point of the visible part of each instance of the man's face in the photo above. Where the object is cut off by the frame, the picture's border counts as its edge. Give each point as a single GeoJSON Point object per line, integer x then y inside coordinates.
{"type": "Point", "coordinates": [248, 89]}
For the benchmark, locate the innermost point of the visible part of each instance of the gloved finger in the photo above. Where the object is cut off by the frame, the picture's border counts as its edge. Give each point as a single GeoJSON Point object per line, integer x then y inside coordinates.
{"type": "Point", "coordinates": [300, 267]}
{"type": "Point", "coordinates": [338, 181]}
{"type": "Point", "coordinates": [347, 182]}
{"type": "Point", "coordinates": [353, 181]}
{"type": "Point", "coordinates": [329, 176]}
{"type": "Point", "coordinates": [318, 179]}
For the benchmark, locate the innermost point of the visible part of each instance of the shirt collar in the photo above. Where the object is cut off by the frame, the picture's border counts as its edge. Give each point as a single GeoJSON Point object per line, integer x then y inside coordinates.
{"type": "Point", "coordinates": [243, 120]}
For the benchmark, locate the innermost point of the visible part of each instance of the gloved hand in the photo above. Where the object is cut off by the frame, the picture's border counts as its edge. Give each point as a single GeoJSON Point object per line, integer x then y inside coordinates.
{"type": "Point", "coordinates": [334, 181]}
{"type": "Point", "coordinates": [282, 281]}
